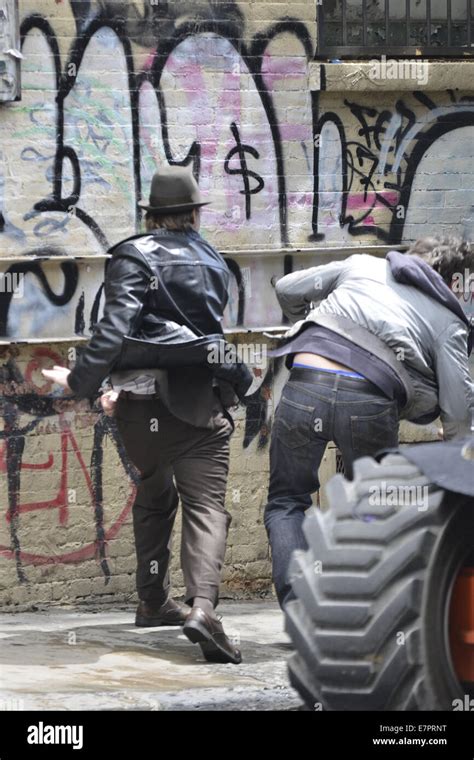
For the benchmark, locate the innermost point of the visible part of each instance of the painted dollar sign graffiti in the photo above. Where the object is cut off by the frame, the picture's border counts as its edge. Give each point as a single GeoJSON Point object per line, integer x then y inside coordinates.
{"type": "Point", "coordinates": [241, 150]}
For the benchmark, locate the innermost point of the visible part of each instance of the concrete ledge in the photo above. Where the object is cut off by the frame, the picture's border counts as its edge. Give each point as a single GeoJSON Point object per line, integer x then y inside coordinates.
{"type": "Point", "coordinates": [388, 74]}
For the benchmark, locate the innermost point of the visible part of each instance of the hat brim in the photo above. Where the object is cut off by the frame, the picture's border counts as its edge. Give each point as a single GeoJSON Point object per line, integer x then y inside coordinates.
{"type": "Point", "coordinates": [172, 209]}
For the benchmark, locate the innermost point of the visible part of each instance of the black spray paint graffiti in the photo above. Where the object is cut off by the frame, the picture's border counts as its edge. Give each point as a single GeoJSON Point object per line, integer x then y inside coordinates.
{"type": "Point", "coordinates": [158, 19]}
{"type": "Point", "coordinates": [252, 57]}
{"type": "Point", "coordinates": [163, 27]}
{"type": "Point", "coordinates": [256, 404]}
{"type": "Point", "coordinates": [15, 402]}
{"type": "Point", "coordinates": [240, 150]}
{"type": "Point", "coordinates": [378, 169]}
{"type": "Point", "coordinates": [70, 271]}
{"type": "Point", "coordinates": [170, 26]}
{"type": "Point", "coordinates": [259, 407]}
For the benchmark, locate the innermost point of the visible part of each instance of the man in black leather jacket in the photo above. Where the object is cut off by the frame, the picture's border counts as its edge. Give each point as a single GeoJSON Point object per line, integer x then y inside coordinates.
{"type": "Point", "coordinates": [174, 423]}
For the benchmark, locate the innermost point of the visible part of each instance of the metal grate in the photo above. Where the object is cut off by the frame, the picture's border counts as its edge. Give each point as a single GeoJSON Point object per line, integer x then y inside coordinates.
{"type": "Point", "coordinates": [349, 28]}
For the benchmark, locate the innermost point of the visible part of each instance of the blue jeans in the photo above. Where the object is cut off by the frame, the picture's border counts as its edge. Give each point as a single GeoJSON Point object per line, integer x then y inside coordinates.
{"type": "Point", "coordinates": [316, 408]}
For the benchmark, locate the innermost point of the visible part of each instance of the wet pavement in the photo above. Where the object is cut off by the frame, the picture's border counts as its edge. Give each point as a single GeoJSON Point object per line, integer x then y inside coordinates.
{"type": "Point", "coordinates": [87, 659]}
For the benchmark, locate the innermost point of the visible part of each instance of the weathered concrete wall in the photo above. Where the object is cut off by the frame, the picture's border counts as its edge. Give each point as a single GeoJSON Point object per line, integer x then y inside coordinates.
{"type": "Point", "coordinates": [294, 158]}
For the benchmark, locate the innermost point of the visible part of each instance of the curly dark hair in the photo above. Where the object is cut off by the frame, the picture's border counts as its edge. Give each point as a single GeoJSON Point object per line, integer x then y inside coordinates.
{"type": "Point", "coordinates": [447, 255]}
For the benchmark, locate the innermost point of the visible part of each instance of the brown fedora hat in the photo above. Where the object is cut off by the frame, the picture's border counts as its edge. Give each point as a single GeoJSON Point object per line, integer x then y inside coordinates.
{"type": "Point", "coordinates": [173, 189]}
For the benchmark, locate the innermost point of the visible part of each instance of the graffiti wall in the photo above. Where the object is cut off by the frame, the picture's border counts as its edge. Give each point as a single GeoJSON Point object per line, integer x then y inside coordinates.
{"type": "Point", "coordinates": [111, 90]}
{"type": "Point", "coordinates": [67, 489]}
{"type": "Point", "coordinates": [396, 168]}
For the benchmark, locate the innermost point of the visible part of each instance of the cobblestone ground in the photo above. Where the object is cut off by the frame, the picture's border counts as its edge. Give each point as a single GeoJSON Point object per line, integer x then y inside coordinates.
{"type": "Point", "coordinates": [74, 659]}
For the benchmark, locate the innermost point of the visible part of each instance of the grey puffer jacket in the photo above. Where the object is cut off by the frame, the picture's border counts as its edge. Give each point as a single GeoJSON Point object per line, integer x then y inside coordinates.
{"type": "Point", "coordinates": [418, 336]}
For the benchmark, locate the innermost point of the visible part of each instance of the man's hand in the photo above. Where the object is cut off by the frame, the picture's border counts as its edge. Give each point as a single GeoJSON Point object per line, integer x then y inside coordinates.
{"type": "Point", "coordinates": [58, 375]}
{"type": "Point", "coordinates": [108, 401]}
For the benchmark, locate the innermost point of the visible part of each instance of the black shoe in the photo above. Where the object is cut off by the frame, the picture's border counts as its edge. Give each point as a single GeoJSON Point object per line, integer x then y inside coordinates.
{"type": "Point", "coordinates": [208, 632]}
{"type": "Point", "coordinates": [150, 615]}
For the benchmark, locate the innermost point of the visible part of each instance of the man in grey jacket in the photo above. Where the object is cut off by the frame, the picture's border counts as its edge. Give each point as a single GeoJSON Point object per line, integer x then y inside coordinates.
{"type": "Point", "coordinates": [374, 340]}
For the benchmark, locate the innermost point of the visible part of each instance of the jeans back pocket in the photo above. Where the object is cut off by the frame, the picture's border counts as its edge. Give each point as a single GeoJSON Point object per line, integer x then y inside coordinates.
{"type": "Point", "coordinates": [294, 424]}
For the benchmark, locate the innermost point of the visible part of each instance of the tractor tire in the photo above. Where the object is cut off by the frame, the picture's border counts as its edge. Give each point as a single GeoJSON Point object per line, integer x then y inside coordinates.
{"type": "Point", "coordinates": [370, 623]}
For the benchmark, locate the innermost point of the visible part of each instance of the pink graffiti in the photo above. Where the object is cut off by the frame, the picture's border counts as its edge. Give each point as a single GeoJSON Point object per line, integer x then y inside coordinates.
{"type": "Point", "coordinates": [365, 201]}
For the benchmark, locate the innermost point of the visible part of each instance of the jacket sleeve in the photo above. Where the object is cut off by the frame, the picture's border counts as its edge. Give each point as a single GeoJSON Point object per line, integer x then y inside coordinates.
{"type": "Point", "coordinates": [296, 291]}
{"type": "Point", "coordinates": [456, 390]}
{"type": "Point", "coordinates": [126, 284]}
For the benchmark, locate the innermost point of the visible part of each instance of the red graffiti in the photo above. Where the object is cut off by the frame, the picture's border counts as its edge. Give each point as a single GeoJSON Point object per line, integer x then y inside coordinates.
{"type": "Point", "coordinates": [60, 502]}
{"type": "Point", "coordinates": [36, 365]}
{"type": "Point", "coordinates": [70, 459]}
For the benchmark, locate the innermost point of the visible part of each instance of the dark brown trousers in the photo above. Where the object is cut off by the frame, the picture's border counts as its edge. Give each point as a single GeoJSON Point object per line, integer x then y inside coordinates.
{"type": "Point", "coordinates": [177, 460]}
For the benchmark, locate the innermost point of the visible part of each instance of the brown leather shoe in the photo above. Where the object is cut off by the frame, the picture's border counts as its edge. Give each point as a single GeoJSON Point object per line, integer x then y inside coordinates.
{"type": "Point", "coordinates": [150, 615]}
{"type": "Point", "coordinates": [204, 630]}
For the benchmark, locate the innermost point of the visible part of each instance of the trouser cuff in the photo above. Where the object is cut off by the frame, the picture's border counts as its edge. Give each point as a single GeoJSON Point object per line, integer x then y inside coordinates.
{"type": "Point", "coordinates": [208, 592]}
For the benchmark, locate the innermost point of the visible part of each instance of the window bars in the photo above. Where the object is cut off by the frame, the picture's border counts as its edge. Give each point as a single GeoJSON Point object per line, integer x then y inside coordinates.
{"type": "Point", "coordinates": [363, 28]}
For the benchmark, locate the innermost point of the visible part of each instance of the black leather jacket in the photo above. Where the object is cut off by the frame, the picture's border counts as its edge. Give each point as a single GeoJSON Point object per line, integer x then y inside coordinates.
{"type": "Point", "coordinates": [197, 279]}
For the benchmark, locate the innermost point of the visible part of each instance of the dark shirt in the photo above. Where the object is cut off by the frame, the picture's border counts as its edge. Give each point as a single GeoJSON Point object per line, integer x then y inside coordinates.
{"type": "Point", "coordinates": [314, 339]}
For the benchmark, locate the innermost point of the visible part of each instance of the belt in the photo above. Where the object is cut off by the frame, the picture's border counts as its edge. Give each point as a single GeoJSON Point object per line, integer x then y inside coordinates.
{"type": "Point", "coordinates": [131, 396]}
{"type": "Point", "coordinates": [343, 381]}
